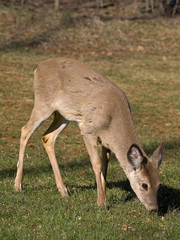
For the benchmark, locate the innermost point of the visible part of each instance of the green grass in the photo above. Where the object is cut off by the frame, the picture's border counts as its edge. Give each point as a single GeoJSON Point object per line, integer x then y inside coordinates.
{"type": "Point", "coordinates": [144, 62]}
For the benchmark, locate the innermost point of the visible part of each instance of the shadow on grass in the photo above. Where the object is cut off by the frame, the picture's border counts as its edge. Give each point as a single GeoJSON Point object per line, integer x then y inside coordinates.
{"type": "Point", "coordinates": [32, 41]}
{"type": "Point", "coordinates": [35, 171]}
{"type": "Point", "coordinates": [168, 197]}
{"type": "Point", "coordinates": [169, 200]}
{"type": "Point", "coordinates": [70, 164]}
{"type": "Point", "coordinates": [123, 185]}
{"type": "Point", "coordinates": [11, 172]}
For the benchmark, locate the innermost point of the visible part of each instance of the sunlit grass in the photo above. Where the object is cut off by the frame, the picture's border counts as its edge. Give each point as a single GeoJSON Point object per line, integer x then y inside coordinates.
{"type": "Point", "coordinates": [149, 75]}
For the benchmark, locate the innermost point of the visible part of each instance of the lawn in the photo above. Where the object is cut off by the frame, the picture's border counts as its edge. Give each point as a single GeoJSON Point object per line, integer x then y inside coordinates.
{"type": "Point", "coordinates": [140, 56]}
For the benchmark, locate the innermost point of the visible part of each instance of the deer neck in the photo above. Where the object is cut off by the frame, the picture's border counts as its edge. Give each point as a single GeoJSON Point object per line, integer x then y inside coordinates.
{"type": "Point", "coordinates": [123, 135]}
{"type": "Point", "coordinates": [121, 149]}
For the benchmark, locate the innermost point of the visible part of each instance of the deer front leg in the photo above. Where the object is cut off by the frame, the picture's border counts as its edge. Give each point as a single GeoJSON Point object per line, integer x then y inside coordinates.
{"type": "Point", "coordinates": [92, 148]}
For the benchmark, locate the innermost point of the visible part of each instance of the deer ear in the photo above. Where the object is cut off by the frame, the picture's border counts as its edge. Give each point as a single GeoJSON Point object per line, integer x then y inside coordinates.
{"type": "Point", "coordinates": [158, 155]}
{"type": "Point", "coordinates": [135, 157]}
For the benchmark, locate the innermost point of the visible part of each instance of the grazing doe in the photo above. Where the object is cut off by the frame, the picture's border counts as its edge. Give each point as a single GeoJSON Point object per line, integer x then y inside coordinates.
{"type": "Point", "coordinates": [74, 92]}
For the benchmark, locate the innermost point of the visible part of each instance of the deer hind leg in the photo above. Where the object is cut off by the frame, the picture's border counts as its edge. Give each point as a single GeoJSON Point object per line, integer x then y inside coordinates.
{"type": "Point", "coordinates": [92, 148]}
{"type": "Point", "coordinates": [105, 160]}
{"type": "Point", "coordinates": [48, 139]}
{"type": "Point", "coordinates": [35, 120]}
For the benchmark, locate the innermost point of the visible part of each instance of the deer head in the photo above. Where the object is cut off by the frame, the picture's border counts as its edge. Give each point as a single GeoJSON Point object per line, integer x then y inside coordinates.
{"type": "Point", "coordinates": [144, 177]}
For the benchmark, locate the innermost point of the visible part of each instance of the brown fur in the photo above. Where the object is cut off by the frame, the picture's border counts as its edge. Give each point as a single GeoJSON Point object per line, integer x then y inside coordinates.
{"type": "Point", "coordinates": [75, 92]}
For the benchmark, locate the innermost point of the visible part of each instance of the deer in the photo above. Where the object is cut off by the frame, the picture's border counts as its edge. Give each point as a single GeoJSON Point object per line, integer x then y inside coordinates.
{"type": "Point", "coordinates": [73, 91]}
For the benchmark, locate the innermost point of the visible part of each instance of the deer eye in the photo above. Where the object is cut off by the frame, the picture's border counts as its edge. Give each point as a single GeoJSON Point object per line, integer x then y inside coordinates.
{"type": "Point", "coordinates": [145, 186]}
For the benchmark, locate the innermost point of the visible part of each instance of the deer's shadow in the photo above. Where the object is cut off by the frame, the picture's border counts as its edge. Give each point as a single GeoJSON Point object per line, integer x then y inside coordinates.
{"type": "Point", "coordinates": [168, 197]}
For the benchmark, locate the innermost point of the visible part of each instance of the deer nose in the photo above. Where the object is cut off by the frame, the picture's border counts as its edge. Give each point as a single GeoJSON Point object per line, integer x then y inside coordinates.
{"type": "Point", "coordinates": [154, 210]}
